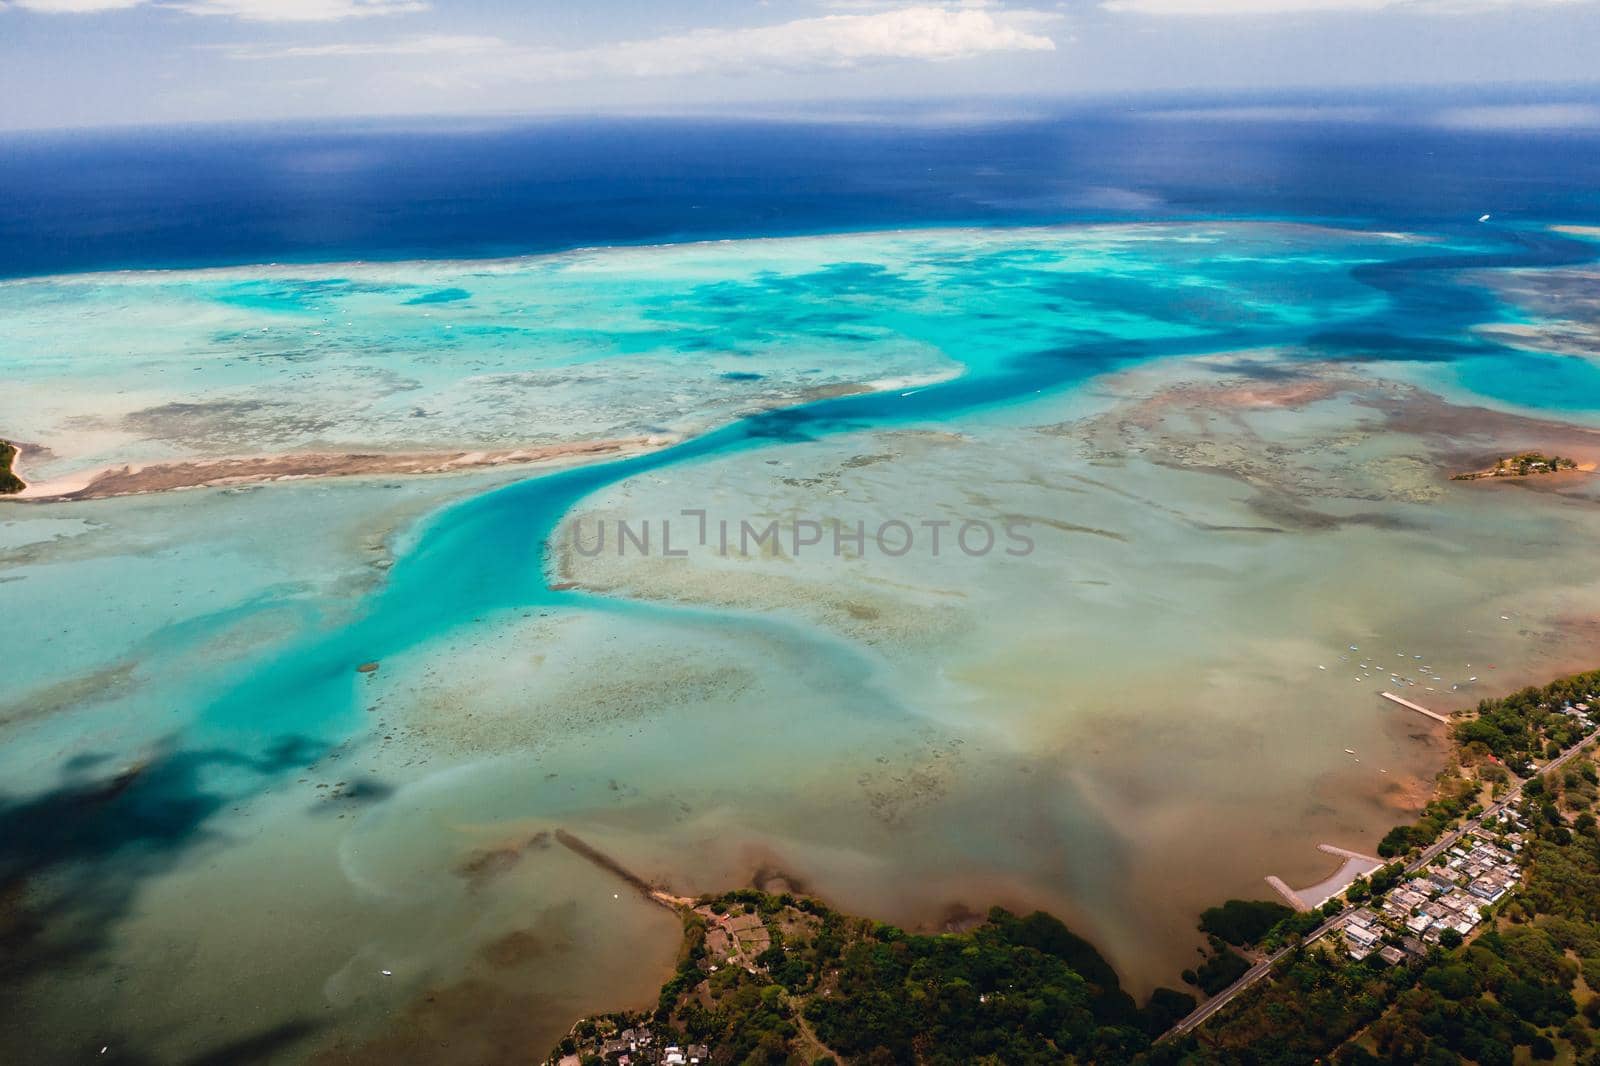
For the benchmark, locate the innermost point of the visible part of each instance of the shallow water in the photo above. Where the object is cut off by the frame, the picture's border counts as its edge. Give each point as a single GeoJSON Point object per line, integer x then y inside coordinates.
{"type": "Point", "coordinates": [116, 368]}
{"type": "Point", "coordinates": [1124, 725]}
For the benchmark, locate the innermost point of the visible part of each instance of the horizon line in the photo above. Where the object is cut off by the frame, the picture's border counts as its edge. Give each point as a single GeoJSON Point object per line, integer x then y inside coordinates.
{"type": "Point", "coordinates": [891, 110]}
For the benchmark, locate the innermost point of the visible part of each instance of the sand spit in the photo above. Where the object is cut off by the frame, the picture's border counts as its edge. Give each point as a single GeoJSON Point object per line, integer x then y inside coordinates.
{"type": "Point", "coordinates": [207, 473]}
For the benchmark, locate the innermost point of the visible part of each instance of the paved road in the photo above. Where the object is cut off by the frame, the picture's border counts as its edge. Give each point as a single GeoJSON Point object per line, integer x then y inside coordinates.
{"type": "Point", "coordinates": [1261, 969]}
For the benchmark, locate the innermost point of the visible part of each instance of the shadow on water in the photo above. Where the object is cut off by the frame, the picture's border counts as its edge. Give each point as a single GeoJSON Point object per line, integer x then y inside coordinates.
{"type": "Point", "coordinates": [74, 859]}
{"type": "Point", "coordinates": [145, 812]}
{"type": "Point", "coordinates": [267, 1045]}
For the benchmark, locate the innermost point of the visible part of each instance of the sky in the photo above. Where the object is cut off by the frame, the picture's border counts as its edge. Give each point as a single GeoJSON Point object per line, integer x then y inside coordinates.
{"type": "Point", "coordinates": [74, 63]}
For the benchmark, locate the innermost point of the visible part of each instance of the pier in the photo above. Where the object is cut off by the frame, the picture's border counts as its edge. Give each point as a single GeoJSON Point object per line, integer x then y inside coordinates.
{"type": "Point", "coordinates": [611, 866]}
{"type": "Point", "coordinates": [1408, 705]}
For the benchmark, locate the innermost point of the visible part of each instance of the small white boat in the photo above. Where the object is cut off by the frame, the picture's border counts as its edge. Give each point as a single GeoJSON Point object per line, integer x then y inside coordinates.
{"type": "Point", "coordinates": [1349, 751]}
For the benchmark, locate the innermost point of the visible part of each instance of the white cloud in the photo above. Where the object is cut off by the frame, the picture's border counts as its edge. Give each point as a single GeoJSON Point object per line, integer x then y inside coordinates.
{"type": "Point", "coordinates": [924, 32]}
{"type": "Point", "coordinates": [70, 7]}
{"type": "Point", "coordinates": [421, 45]}
{"type": "Point", "coordinates": [250, 10]}
{"type": "Point", "coordinates": [299, 10]}
{"type": "Point", "coordinates": [1289, 7]}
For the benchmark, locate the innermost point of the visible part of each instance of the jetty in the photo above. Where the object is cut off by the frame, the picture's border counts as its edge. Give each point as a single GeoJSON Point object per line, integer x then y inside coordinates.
{"type": "Point", "coordinates": [1306, 899]}
{"type": "Point", "coordinates": [1408, 705]}
{"type": "Point", "coordinates": [611, 866]}
{"type": "Point", "coordinates": [1290, 896]}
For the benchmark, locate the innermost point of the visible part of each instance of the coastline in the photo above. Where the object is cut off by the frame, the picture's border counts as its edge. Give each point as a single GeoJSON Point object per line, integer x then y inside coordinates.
{"type": "Point", "coordinates": [1499, 822]}
{"type": "Point", "coordinates": [142, 479]}
{"type": "Point", "coordinates": [1258, 938]}
{"type": "Point", "coordinates": [857, 604]}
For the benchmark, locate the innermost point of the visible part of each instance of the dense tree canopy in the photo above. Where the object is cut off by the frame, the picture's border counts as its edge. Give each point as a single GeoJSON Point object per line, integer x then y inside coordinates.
{"type": "Point", "coordinates": [1243, 922]}
{"type": "Point", "coordinates": [9, 482]}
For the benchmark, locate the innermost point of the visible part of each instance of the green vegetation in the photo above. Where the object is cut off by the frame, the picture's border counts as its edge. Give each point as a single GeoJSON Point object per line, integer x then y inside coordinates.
{"type": "Point", "coordinates": [1243, 922]}
{"type": "Point", "coordinates": [1514, 986]}
{"type": "Point", "coordinates": [1524, 725]}
{"type": "Point", "coordinates": [1453, 797]}
{"type": "Point", "coordinates": [1520, 989]}
{"type": "Point", "coordinates": [1505, 736]}
{"type": "Point", "coordinates": [1021, 990]}
{"type": "Point", "coordinates": [1521, 465]}
{"type": "Point", "coordinates": [1013, 990]}
{"type": "Point", "coordinates": [9, 482]}
{"type": "Point", "coordinates": [1222, 968]}
{"type": "Point", "coordinates": [1256, 924]}
{"type": "Point", "coordinates": [1314, 1002]}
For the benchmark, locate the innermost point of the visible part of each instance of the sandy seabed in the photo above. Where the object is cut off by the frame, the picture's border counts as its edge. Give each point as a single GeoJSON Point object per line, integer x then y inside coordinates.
{"type": "Point", "coordinates": [1147, 714]}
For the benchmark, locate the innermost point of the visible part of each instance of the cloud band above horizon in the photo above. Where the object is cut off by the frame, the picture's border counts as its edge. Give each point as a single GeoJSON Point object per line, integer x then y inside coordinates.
{"type": "Point", "coordinates": [924, 32]}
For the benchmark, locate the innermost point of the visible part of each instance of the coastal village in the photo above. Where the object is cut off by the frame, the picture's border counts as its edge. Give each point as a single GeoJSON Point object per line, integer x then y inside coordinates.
{"type": "Point", "coordinates": [1450, 897]}
{"type": "Point", "coordinates": [639, 1046]}
{"type": "Point", "coordinates": [1470, 877]}
{"type": "Point", "coordinates": [1444, 901]}
{"type": "Point", "coordinates": [736, 939]}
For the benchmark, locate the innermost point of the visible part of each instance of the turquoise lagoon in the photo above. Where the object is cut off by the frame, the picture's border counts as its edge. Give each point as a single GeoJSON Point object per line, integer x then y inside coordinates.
{"type": "Point", "coordinates": [1127, 723]}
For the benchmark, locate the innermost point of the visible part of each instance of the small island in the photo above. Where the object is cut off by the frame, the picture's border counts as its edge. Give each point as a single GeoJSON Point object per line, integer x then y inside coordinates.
{"type": "Point", "coordinates": [10, 483]}
{"type": "Point", "coordinates": [1523, 464]}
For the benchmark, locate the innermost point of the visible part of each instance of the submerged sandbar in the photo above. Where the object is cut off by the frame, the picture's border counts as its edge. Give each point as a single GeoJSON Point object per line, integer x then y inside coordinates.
{"type": "Point", "coordinates": [134, 480]}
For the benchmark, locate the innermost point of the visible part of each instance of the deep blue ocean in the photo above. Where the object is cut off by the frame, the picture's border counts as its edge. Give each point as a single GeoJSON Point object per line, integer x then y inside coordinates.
{"type": "Point", "coordinates": [203, 196]}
